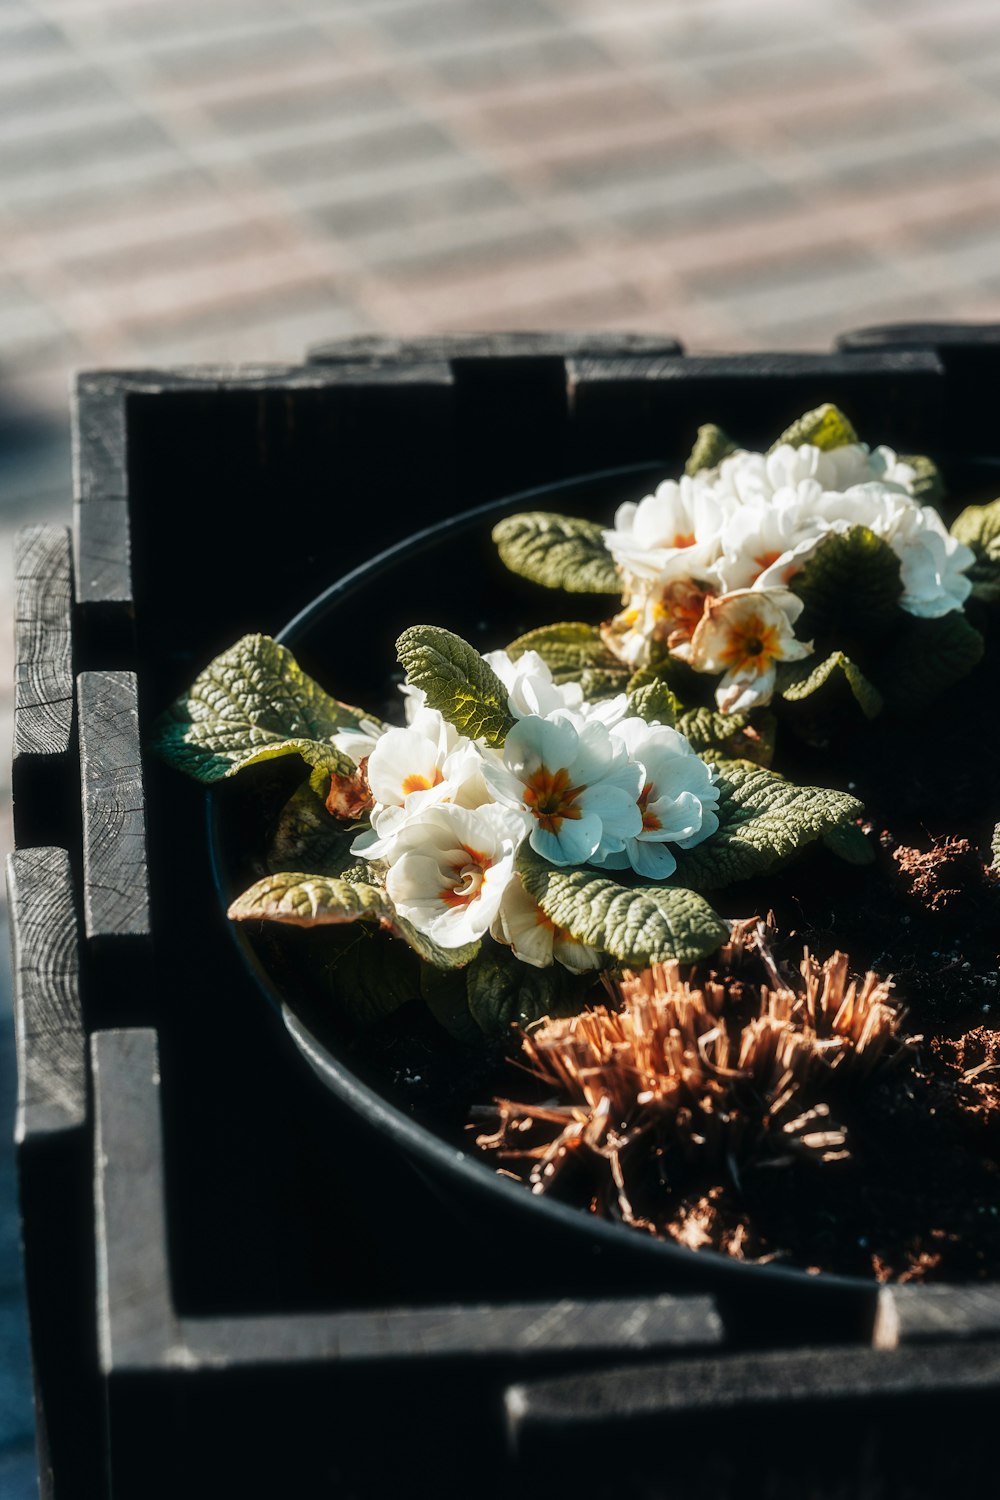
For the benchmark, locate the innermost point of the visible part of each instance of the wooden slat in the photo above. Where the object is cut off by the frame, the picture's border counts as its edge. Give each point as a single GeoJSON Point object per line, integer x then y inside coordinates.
{"type": "Point", "coordinates": [52, 1166]}
{"type": "Point", "coordinates": [43, 670]}
{"type": "Point", "coordinates": [139, 1328]}
{"type": "Point", "coordinates": [627, 409]}
{"type": "Point", "coordinates": [41, 771]}
{"type": "Point", "coordinates": [135, 1319]}
{"type": "Point", "coordinates": [52, 1086]}
{"type": "Point", "coordinates": [459, 346]}
{"type": "Point", "coordinates": [115, 874]}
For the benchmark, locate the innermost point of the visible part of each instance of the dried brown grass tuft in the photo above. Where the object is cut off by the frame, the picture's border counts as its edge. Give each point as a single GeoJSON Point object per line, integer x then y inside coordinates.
{"type": "Point", "coordinates": [681, 1076]}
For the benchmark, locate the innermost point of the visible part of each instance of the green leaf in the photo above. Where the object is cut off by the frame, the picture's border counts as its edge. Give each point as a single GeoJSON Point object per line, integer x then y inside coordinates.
{"type": "Point", "coordinates": [307, 837]}
{"type": "Point", "coordinates": [711, 446]}
{"type": "Point", "coordinates": [303, 900]}
{"type": "Point", "coordinates": [825, 427]}
{"type": "Point", "coordinates": [574, 652]}
{"type": "Point", "coordinates": [995, 849]}
{"type": "Point", "coordinates": [373, 976]}
{"type": "Point", "coordinates": [431, 952]}
{"type": "Point", "coordinates": [559, 552]}
{"type": "Point", "coordinates": [731, 736]}
{"type": "Point", "coordinates": [928, 487]}
{"type": "Point", "coordinates": [850, 586]}
{"type": "Point", "coordinates": [849, 844]}
{"type": "Point", "coordinates": [635, 924]}
{"type": "Point", "coordinates": [503, 992]}
{"type": "Point", "coordinates": [250, 704]}
{"type": "Point", "coordinates": [798, 680]}
{"type": "Point", "coordinates": [979, 528]}
{"type": "Point", "coordinates": [457, 682]}
{"type": "Point", "coordinates": [763, 821]}
{"type": "Point", "coordinates": [445, 995]}
{"type": "Point", "coordinates": [685, 684]}
{"type": "Point", "coordinates": [927, 656]}
{"type": "Point", "coordinates": [654, 703]}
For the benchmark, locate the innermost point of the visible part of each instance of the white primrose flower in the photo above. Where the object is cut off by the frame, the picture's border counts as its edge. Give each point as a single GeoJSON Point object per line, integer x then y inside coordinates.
{"type": "Point", "coordinates": [744, 635]}
{"type": "Point", "coordinates": [673, 533]}
{"type": "Point", "coordinates": [574, 780]}
{"type": "Point", "coordinates": [677, 802]}
{"type": "Point", "coordinates": [765, 541]}
{"type": "Point", "coordinates": [411, 769]}
{"type": "Point", "coordinates": [535, 938]}
{"type": "Point", "coordinates": [932, 564]}
{"type": "Point", "coordinates": [359, 742]}
{"type": "Point", "coordinates": [449, 867]}
{"type": "Point", "coordinates": [532, 690]}
{"type": "Point", "coordinates": [530, 685]}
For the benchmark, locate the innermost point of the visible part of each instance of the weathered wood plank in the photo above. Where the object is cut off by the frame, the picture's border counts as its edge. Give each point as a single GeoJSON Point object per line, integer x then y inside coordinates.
{"type": "Point", "coordinates": [626, 409]}
{"type": "Point", "coordinates": [915, 1314]}
{"type": "Point", "coordinates": [45, 810]}
{"type": "Point", "coordinates": [51, 1066]}
{"type": "Point", "coordinates": [115, 873]}
{"type": "Point", "coordinates": [135, 1321]}
{"type": "Point", "coordinates": [43, 668]}
{"type": "Point", "coordinates": [515, 345]}
{"type": "Point", "coordinates": [139, 1329]}
{"type": "Point", "coordinates": [920, 336]}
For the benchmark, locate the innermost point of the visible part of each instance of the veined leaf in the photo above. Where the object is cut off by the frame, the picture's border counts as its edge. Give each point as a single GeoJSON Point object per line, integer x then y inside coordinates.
{"type": "Point", "coordinates": [928, 486]}
{"type": "Point", "coordinates": [927, 656]}
{"type": "Point", "coordinates": [373, 976]}
{"type": "Point", "coordinates": [825, 427]}
{"type": "Point", "coordinates": [559, 552]}
{"type": "Point", "coordinates": [574, 652]}
{"type": "Point", "coordinates": [731, 736]}
{"type": "Point", "coordinates": [503, 992]}
{"type": "Point", "coordinates": [634, 924]}
{"type": "Point", "coordinates": [763, 821]}
{"type": "Point", "coordinates": [431, 952]}
{"type": "Point", "coordinates": [309, 838]}
{"type": "Point", "coordinates": [711, 446]}
{"type": "Point", "coordinates": [848, 843]}
{"type": "Point", "coordinates": [798, 680]}
{"type": "Point", "coordinates": [303, 900]}
{"type": "Point", "coordinates": [979, 528]}
{"type": "Point", "coordinates": [252, 703]}
{"type": "Point", "coordinates": [850, 586]}
{"type": "Point", "coordinates": [654, 703]}
{"type": "Point", "coordinates": [457, 682]}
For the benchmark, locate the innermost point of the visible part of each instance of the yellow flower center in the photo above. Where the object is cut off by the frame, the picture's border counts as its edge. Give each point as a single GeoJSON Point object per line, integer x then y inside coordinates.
{"type": "Point", "coordinates": [753, 644]}
{"type": "Point", "coordinates": [417, 783]}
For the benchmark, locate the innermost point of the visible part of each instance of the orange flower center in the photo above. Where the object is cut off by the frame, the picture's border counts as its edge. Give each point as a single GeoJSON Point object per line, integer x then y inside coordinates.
{"type": "Point", "coordinates": [684, 539]}
{"type": "Point", "coordinates": [417, 783]}
{"type": "Point", "coordinates": [764, 561]}
{"type": "Point", "coordinates": [551, 798]}
{"type": "Point", "coordinates": [649, 819]}
{"type": "Point", "coordinates": [753, 644]}
{"type": "Point", "coordinates": [470, 871]}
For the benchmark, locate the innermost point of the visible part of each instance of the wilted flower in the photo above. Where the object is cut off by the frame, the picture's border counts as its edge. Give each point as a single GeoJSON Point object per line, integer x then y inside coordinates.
{"type": "Point", "coordinates": [744, 635]}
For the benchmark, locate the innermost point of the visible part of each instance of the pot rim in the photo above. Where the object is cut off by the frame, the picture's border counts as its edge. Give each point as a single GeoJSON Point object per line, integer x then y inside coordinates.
{"type": "Point", "coordinates": [418, 1140]}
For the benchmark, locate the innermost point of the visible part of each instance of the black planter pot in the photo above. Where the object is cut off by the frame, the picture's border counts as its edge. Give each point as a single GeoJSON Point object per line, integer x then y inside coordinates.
{"type": "Point", "coordinates": [450, 575]}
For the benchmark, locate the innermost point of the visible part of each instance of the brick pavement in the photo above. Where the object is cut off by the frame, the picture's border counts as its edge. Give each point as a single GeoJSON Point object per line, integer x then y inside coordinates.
{"type": "Point", "coordinates": [233, 180]}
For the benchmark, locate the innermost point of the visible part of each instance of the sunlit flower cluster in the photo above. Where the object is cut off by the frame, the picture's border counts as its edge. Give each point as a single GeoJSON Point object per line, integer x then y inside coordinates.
{"type": "Point", "coordinates": [707, 560]}
{"type": "Point", "coordinates": [580, 783]}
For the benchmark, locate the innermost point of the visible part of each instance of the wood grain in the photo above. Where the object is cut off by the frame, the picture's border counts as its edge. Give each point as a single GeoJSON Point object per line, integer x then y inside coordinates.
{"type": "Point", "coordinates": [115, 873]}
{"type": "Point", "coordinates": [43, 669]}
{"type": "Point", "coordinates": [51, 1063]}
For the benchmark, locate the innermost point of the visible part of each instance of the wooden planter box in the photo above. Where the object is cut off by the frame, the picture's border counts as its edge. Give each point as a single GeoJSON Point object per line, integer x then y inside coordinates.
{"type": "Point", "coordinates": [232, 1292]}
